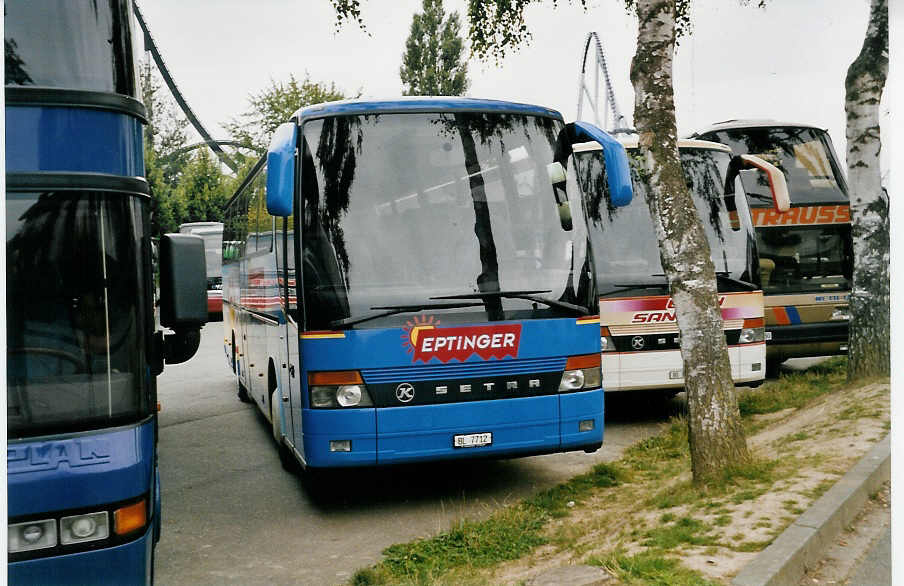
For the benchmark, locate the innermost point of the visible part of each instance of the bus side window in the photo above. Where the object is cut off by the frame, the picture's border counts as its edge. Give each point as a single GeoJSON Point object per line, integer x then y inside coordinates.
{"type": "Point", "coordinates": [235, 229]}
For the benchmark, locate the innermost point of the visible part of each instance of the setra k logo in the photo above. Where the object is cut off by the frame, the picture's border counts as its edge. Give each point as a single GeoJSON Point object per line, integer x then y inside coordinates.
{"type": "Point", "coordinates": [404, 393]}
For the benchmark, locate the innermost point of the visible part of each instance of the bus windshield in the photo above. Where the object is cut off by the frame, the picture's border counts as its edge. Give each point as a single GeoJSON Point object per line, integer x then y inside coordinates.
{"type": "Point", "coordinates": [800, 259]}
{"type": "Point", "coordinates": [628, 252]}
{"type": "Point", "coordinates": [74, 299]}
{"type": "Point", "coordinates": [403, 208]}
{"type": "Point", "coordinates": [805, 155]}
{"type": "Point", "coordinates": [99, 58]}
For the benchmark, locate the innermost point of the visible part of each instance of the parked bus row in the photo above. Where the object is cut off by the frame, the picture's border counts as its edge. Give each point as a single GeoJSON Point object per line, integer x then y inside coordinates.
{"type": "Point", "coordinates": [470, 277]}
{"type": "Point", "coordinates": [402, 281]}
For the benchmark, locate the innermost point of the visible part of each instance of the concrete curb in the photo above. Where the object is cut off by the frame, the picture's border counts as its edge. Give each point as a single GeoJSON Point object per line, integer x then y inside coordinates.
{"type": "Point", "coordinates": [804, 541]}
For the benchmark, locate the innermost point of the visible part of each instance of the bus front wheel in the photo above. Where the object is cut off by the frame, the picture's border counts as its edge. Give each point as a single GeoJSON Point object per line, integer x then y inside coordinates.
{"type": "Point", "coordinates": [243, 393]}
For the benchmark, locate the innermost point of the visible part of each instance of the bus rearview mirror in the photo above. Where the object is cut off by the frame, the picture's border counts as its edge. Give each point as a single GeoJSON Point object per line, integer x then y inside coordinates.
{"type": "Point", "coordinates": [281, 170]}
{"type": "Point", "coordinates": [778, 186]}
{"type": "Point", "coordinates": [618, 173]}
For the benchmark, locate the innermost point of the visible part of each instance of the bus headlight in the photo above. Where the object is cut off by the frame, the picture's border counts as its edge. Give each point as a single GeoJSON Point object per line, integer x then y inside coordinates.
{"type": "Point", "coordinates": [349, 395]}
{"type": "Point", "coordinates": [572, 380]}
{"type": "Point", "coordinates": [32, 535]}
{"type": "Point", "coordinates": [607, 342]}
{"type": "Point", "coordinates": [752, 330]}
{"type": "Point", "coordinates": [81, 528]}
{"type": "Point", "coordinates": [332, 390]}
{"type": "Point", "coordinates": [841, 313]}
{"type": "Point", "coordinates": [750, 335]}
{"type": "Point", "coordinates": [581, 372]}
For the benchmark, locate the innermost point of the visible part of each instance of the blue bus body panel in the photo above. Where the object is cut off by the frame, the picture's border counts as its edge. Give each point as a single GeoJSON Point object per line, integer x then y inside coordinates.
{"type": "Point", "coordinates": [129, 563]}
{"type": "Point", "coordinates": [322, 425]}
{"type": "Point", "coordinates": [526, 425]}
{"type": "Point", "coordinates": [412, 433]}
{"type": "Point", "coordinates": [87, 470]}
{"type": "Point", "coordinates": [73, 139]}
{"type": "Point", "coordinates": [577, 407]}
{"type": "Point", "coordinates": [386, 347]}
{"type": "Point", "coordinates": [421, 104]}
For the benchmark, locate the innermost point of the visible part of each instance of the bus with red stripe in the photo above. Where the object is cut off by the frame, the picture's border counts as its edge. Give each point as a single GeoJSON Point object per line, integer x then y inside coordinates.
{"type": "Point", "coordinates": [806, 253]}
{"type": "Point", "coordinates": [411, 280]}
{"type": "Point", "coordinates": [640, 337]}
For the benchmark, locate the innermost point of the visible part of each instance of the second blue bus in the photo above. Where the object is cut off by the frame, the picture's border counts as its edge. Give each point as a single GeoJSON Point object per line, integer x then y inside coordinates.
{"type": "Point", "coordinates": [411, 280]}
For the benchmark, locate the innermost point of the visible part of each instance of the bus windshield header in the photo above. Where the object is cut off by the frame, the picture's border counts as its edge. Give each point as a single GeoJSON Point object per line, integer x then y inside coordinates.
{"type": "Point", "coordinates": [401, 208]}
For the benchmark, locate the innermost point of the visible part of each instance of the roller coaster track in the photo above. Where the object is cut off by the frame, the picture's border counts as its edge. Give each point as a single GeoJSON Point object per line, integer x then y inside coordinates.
{"type": "Point", "coordinates": [151, 46]}
{"type": "Point", "coordinates": [609, 105]}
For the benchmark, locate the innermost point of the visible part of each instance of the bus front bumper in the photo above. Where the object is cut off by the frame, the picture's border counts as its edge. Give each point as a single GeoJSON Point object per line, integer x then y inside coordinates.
{"type": "Point", "coordinates": [129, 563]}
{"type": "Point", "coordinates": [801, 340]}
{"type": "Point", "coordinates": [665, 369]}
{"type": "Point", "coordinates": [395, 435]}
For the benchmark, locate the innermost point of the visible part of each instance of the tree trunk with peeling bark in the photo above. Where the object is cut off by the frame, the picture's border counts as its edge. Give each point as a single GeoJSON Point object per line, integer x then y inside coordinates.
{"type": "Point", "coordinates": [869, 334]}
{"type": "Point", "coordinates": [716, 436]}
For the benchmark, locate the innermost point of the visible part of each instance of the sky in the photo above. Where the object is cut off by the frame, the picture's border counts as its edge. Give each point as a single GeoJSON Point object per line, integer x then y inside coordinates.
{"type": "Point", "coordinates": [785, 62]}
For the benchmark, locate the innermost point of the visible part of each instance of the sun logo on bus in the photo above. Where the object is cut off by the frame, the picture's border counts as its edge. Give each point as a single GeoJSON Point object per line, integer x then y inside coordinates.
{"type": "Point", "coordinates": [413, 328]}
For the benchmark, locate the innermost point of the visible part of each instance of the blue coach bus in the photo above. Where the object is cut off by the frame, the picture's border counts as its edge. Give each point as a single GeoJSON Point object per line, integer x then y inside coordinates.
{"type": "Point", "coordinates": [82, 347]}
{"type": "Point", "coordinates": [411, 280]}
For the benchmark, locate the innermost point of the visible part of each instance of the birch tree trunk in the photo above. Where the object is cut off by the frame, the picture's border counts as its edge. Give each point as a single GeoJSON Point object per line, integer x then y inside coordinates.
{"type": "Point", "coordinates": [869, 334]}
{"type": "Point", "coordinates": [716, 437]}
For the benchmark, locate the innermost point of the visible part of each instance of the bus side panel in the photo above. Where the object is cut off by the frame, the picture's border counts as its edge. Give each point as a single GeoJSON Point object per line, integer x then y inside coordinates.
{"type": "Point", "coordinates": [74, 139]}
{"type": "Point", "coordinates": [425, 432]}
{"type": "Point", "coordinates": [129, 563]}
{"type": "Point", "coordinates": [320, 426]}
{"type": "Point", "coordinates": [578, 407]}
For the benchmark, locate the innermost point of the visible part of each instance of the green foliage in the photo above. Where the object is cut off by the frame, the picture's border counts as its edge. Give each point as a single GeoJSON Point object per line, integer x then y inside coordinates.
{"type": "Point", "coordinates": [274, 105]}
{"type": "Point", "coordinates": [796, 389]}
{"type": "Point", "coordinates": [685, 530]}
{"type": "Point", "coordinates": [554, 501]}
{"type": "Point", "coordinates": [507, 535]}
{"type": "Point", "coordinates": [651, 568]}
{"type": "Point", "coordinates": [434, 63]}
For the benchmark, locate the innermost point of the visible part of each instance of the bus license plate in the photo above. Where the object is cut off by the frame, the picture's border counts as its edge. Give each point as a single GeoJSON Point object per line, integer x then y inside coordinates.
{"type": "Point", "coordinates": [473, 440]}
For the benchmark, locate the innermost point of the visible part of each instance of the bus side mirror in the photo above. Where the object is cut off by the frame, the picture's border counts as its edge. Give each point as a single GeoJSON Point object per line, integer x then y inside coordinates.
{"type": "Point", "coordinates": [183, 294]}
{"type": "Point", "coordinates": [557, 179]}
{"type": "Point", "coordinates": [778, 186]}
{"type": "Point", "coordinates": [617, 170]}
{"type": "Point", "coordinates": [281, 170]}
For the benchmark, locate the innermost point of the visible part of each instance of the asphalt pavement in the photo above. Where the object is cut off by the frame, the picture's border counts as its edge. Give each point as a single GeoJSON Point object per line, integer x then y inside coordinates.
{"type": "Point", "coordinates": [231, 514]}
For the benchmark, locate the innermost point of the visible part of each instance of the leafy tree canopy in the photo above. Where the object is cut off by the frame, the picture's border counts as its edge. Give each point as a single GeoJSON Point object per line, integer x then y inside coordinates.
{"type": "Point", "coordinates": [274, 105]}
{"type": "Point", "coordinates": [434, 63]}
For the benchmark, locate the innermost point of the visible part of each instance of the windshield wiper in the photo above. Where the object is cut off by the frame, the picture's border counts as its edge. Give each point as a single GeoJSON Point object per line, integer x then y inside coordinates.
{"type": "Point", "coordinates": [528, 295]}
{"type": "Point", "coordinates": [726, 277]}
{"type": "Point", "coordinates": [394, 309]}
{"type": "Point", "coordinates": [619, 288]}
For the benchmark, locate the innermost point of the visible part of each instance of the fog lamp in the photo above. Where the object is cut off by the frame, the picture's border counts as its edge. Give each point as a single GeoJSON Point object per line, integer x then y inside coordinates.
{"type": "Point", "coordinates": [340, 445]}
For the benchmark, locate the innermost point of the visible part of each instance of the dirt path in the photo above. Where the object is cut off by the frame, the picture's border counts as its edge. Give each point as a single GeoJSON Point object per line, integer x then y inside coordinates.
{"type": "Point", "coordinates": [805, 450]}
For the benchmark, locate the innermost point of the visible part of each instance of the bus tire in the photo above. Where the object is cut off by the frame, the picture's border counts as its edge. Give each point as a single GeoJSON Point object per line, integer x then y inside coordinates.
{"type": "Point", "coordinates": [773, 367]}
{"type": "Point", "coordinates": [286, 457]}
{"type": "Point", "coordinates": [243, 393]}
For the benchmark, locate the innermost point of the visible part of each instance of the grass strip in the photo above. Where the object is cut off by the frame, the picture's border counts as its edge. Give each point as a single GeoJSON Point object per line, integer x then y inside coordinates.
{"type": "Point", "coordinates": [513, 532]}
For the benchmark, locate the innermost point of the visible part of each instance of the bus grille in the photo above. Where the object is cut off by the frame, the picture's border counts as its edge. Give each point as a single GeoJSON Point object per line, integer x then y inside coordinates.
{"type": "Point", "coordinates": [490, 368]}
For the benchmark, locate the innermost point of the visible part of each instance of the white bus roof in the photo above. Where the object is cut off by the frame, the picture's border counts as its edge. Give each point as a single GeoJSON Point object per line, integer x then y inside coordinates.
{"type": "Point", "coordinates": [190, 227]}
{"type": "Point", "coordinates": [630, 142]}
{"type": "Point", "coordinates": [750, 123]}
